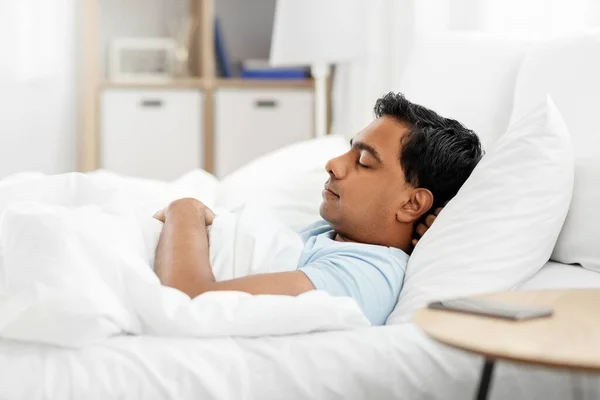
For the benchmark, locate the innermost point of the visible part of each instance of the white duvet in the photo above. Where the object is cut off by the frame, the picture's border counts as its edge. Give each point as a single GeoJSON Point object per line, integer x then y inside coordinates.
{"type": "Point", "coordinates": [387, 362]}
{"type": "Point", "coordinates": [75, 266]}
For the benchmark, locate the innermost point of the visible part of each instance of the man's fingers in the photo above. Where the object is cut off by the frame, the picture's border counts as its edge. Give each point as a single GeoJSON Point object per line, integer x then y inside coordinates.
{"type": "Point", "coordinates": [426, 224]}
{"type": "Point", "coordinates": [429, 220]}
{"type": "Point", "coordinates": [421, 229]}
{"type": "Point", "coordinates": [209, 216]}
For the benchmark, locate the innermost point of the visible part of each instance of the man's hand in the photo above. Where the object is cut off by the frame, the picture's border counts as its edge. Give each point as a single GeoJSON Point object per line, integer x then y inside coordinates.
{"type": "Point", "coordinates": [186, 204]}
{"type": "Point", "coordinates": [182, 257]}
{"type": "Point", "coordinates": [425, 225]}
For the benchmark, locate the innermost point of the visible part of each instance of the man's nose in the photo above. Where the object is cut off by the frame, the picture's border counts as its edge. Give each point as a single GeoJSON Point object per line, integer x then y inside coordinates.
{"type": "Point", "coordinates": [336, 168]}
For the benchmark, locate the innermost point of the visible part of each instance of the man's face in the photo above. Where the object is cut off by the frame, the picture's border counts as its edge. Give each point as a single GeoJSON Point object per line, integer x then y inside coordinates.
{"type": "Point", "coordinates": [366, 185]}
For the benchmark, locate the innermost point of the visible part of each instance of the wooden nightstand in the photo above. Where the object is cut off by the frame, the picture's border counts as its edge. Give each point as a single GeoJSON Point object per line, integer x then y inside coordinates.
{"type": "Point", "coordinates": [569, 339]}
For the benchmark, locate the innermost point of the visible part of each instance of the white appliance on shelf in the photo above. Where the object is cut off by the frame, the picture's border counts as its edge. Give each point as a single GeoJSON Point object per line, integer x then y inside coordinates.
{"type": "Point", "coordinates": [142, 59]}
{"type": "Point", "coordinates": [154, 134]}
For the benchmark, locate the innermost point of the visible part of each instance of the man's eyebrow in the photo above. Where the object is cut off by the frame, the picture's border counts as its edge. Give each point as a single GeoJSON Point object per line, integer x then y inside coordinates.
{"type": "Point", "coordinates": [366, 147]}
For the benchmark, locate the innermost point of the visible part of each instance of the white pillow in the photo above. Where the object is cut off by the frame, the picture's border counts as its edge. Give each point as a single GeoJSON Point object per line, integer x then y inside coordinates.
{"type": "Point", "coordinates": [567, 69]}
{"type": "Point", "coordinates": [501, 227]}
{"type": "Point", "coordinates": [288, 181]}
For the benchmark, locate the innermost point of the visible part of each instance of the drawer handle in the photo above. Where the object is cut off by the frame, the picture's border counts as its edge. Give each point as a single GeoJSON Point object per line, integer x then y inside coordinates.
{"type": "Point", "coordinates": [151, 103]}
{"type": "Point", "coordinates": [265, 104]}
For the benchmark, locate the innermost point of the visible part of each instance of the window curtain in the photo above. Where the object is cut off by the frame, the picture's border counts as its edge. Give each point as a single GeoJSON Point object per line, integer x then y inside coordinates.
{"type": "Point", "coordinates": [37, 86]}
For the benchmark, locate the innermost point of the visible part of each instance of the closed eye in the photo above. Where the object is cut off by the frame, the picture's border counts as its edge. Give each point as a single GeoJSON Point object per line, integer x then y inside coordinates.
{"type": "Point", "coordinates": [361, 165]}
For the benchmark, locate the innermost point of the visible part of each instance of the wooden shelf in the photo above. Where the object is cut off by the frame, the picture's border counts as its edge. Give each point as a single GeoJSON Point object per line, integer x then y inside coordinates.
{"type": "Point", "coordinates": [199, 83]}
{"type": "Point", "coordinates": [255, 83]}
{"type": "Point", "coordinates": [192, 83]}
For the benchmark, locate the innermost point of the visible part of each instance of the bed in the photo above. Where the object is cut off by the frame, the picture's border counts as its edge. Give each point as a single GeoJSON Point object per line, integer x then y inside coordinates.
{"type": "Point", "coordinates": [384, 362]}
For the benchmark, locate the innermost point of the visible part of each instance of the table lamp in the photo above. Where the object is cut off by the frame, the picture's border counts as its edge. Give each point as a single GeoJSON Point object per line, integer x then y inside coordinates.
{"type": "Point", "coordinates": [318, 33]}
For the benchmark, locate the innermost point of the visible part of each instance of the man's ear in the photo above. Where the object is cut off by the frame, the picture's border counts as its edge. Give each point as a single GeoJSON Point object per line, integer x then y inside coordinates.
{"type": "Point", "coordinates": [419, 202]}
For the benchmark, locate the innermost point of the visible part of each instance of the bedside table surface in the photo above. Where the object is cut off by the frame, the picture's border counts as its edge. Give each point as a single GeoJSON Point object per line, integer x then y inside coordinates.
{"type": "Point", "coordinates": [570, 338]}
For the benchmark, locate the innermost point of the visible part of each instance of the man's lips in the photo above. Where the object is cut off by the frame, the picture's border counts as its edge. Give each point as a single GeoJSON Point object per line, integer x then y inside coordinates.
{"type": "Point", "coordinates": [328, 188]}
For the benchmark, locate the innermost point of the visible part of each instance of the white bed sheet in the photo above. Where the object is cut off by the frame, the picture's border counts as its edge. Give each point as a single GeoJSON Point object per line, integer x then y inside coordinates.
{"type": "Point", "coordinates": [372, 363]}
{"type": "Point", "coordinates": [555, 275]}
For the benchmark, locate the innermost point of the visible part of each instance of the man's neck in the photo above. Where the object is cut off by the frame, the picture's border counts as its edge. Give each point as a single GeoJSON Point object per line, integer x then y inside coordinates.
{"type": "Point", "coordinates": [340, 238]}
{"type": "Point", "coordinates": [405, 247]}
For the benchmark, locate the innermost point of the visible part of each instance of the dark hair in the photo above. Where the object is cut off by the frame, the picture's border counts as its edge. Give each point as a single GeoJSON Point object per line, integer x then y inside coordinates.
{"type": "Point", "coordinates": [438, 154]}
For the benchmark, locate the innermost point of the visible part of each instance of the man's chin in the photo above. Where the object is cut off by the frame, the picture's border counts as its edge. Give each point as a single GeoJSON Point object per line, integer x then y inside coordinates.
{"type": "Point", "coordinates": [323, 211]}
{"type": "Point", "coordinates": [326, 213]}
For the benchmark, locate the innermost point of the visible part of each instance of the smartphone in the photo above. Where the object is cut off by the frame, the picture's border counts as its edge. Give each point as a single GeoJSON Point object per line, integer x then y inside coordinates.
{"type": "Point", "coordinates": [491, 308]}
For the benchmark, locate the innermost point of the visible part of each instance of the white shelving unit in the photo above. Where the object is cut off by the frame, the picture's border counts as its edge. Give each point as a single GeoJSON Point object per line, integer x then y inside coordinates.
{"type": "Point", "coordinates": [161, 130]}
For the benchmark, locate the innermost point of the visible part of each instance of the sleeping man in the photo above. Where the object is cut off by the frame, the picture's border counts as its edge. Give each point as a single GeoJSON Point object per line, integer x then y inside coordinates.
{"type": "Point", "coordinates": [377, 201]}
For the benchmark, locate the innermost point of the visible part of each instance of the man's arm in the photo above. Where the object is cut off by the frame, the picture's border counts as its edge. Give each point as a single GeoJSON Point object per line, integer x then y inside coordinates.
{"type": "Point", "coordinates": [182, 258]}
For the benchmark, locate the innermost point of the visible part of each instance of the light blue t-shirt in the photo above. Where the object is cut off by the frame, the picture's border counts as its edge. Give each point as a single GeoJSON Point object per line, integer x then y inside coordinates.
{"type": "Point", "coordinates": [370, 274]}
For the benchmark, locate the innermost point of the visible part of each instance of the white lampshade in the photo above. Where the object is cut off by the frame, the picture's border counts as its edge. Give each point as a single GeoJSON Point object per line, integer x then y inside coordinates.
{"type": "Point", "coordinates": [308, 32]}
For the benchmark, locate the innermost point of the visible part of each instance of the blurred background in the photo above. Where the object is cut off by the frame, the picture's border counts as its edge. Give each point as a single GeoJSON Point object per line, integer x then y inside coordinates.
{"type": "Point", "coordinates": [155, 88]}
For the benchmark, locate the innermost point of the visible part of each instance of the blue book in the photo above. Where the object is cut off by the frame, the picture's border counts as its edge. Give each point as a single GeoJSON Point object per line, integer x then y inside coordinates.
{"type": "Point", "coordinates": [260, 69]}
{"type": "Point", "coordinates": [223, 60]}
{"type": "Point", "coordinates": [274, 74]}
